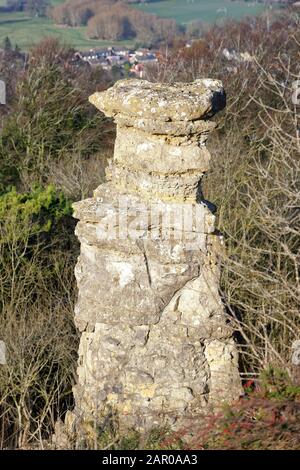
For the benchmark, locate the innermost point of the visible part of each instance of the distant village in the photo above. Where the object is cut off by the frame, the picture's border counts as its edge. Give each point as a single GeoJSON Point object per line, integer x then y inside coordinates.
{"type": "Point", "coordinates": [134, 61]}
{"type": "Point", "coordinates": [130, 61]}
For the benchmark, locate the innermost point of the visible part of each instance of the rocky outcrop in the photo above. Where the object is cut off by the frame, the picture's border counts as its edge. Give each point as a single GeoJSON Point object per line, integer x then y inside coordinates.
{"type": "Point", "coordinates": [156, 345]}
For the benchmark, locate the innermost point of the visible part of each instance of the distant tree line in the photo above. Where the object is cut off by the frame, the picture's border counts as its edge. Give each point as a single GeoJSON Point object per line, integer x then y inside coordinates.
{"type": "Point", "coordinates": [114, 20]}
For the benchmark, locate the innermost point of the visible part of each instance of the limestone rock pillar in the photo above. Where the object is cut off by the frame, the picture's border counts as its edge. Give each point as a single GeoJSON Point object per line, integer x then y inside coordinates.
{"type": "Point", "coordinates": [156, 346]}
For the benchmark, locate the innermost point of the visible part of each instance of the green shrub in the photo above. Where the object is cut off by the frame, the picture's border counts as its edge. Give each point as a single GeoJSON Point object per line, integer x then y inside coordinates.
{"type": "Point", "coordinates": [30, 213]}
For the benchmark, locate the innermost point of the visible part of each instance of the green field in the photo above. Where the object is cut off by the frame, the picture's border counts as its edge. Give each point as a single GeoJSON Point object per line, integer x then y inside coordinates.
{"type": "Point", "coordinates": [185, 11]}
{"type": "Point", "coordinates": [26, 31]}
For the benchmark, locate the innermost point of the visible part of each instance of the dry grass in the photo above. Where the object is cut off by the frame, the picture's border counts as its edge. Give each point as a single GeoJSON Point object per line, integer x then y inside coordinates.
{"type": "Point", "coordinates": [257, 188]}
{"type": "Point", "coordinates": [254, 179]}
{"type": "Point", "coordinates": [36, 324]}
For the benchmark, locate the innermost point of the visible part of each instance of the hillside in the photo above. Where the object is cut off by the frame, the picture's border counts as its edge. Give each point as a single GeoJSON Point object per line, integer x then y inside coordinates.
{"type": "Point", "coordinates": [210, 11]}
{"type": "Point", "coordinates": [26, 30]}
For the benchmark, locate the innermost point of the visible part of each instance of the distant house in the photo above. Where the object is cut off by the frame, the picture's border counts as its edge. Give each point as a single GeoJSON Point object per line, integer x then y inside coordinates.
{"type": "Point", "coordinates": [124, 51]}
{"type": "Point", "coordinates": [113, 56]}
{"type": "Point", "coordinates": [102, 61]}
{"type": "Point", "coordinates": [92, 57]}
{"type": "Point", "coordinates": [142, 51]}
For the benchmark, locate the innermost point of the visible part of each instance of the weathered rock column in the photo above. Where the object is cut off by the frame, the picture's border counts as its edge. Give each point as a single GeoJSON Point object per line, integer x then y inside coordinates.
{"type": "Point", "coordinates": [156, 346]}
